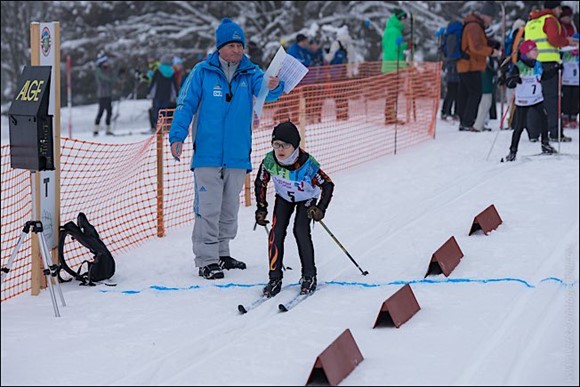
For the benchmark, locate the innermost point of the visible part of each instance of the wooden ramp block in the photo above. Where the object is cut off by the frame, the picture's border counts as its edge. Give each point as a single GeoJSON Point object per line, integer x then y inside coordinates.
{"type": "Point", "coordinates": [398, 308]}
{"type": "Point", "coordinates": [336, 361]}
{"type": "Point", "coordinates": [445, 258]}
{"type": "Point", "coordinates": [487, 220]}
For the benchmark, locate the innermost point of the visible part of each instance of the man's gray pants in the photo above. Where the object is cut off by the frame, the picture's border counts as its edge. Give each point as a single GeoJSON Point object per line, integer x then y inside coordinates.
{"type": "Point", "coordinates": [216, 205]}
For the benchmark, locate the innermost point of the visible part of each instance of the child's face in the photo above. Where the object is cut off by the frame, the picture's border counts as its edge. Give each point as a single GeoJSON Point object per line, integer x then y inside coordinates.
{"type": "Point", "coordinates": [533, 53]}
{"type": "Point", "coordinates": [282, 149]}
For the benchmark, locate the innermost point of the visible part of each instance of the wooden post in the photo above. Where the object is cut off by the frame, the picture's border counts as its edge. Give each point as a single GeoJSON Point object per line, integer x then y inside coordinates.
{"type": "Point", "coordinates": [248, 191]}
{"type": "Point", "coordinates": [37, 280]}
{"type": "Point", "coordinates": [45, 51]}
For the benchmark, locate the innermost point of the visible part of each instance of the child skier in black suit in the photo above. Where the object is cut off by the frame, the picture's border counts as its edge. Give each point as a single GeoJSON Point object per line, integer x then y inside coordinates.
{"type": "Point", "coordinates": [299, 182]}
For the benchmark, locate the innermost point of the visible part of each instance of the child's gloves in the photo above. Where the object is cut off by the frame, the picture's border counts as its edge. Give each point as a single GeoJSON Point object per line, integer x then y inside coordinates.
{"type": "Point", "coordinates": [512, 82]}
{"type": "Point", "coordinates": [315, 213]}
{"type": "Point", "coordinates": [261, 217]}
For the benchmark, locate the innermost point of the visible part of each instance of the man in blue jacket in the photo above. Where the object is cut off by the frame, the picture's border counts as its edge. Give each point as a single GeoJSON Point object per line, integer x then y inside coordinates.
{"type": "Point", "coordinates": [219, 92]}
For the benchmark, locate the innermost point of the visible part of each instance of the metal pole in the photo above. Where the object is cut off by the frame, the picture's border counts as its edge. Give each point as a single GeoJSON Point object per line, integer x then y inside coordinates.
{"type": "Point", "coordinates": [503, 33]}
{"type": "Point", "coordinates": [69, 94]}
{"type": "Point", "coordinates": [342, 247]}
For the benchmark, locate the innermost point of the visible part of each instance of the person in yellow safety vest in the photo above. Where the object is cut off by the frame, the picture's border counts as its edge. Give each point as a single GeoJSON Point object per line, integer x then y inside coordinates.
{"type": "Point", "coordinates": [544, 28]}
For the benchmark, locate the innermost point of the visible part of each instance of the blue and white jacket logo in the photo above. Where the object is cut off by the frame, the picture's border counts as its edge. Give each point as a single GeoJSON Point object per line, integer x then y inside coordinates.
{"type": "Point", "coordinates": [243, 84]}
{"type": "Point", "coordinates": [217, 91]}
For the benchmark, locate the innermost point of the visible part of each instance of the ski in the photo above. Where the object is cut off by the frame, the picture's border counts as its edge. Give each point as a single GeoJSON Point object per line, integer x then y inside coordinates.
{"type": "Point", "coordinates": [293, 302]}
{"type": "Point", "coordinates": [297, 300]}
{"type": "Point", "coordinates": [243, 309]}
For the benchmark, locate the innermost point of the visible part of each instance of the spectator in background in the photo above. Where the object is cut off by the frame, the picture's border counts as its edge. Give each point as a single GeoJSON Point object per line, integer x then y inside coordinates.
{"type": "Point", "coordinates": [474, 44]}
{"type": "Point", "coordinates": [314, 93]}
{"type": "Point", "coordinates": [220, 92]}
{"type": "Point", "coordinates": [341, 56]}
{"type": "Point", "coordinates": [179, 70]}
{"type": "Point", "coordinates": [545, 29]}
{"type": "Point", "coordinates": [300, 50]}
{"type": "Point", "coordinates": [105, 80]}
{"type": "Point", "coordinates": [449, 108]}
{"type": "Point", "coordinates": [162, 90]}
{"type": "Point", "coordinates": [488, 78]}
{"type": "Point", "coordinates": [316, 53]}
{"type": "Point", "coordinates": [393, 59]}
{"type": "Point", "coordinates": [570, 76]}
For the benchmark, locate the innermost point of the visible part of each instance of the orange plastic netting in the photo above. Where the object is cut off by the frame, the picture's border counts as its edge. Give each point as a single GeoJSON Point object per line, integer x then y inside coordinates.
{"type": "Point", "coordinates": [134, 192]}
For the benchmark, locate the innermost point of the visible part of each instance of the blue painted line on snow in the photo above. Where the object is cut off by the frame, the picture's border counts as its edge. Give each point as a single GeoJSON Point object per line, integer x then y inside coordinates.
{"type": "Point", "coordinates": [358, 284]}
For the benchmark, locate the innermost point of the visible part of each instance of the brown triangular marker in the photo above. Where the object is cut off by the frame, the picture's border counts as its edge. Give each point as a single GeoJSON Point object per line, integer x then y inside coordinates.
{"type": "Point", "coordinates": [336, 361]}
{"type": "Point", "coordinates": [445, 258]}
{"type": "Point", "coordinates": [487, 220]}
{"type": "Point", "coordinates": [398, 308]}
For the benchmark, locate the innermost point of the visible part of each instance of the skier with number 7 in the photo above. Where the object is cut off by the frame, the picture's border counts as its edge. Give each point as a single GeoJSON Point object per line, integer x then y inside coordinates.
{"type": "Point", "coordinates": [526, 77]}
{"type": "Point", "coordinates": [299, 182]}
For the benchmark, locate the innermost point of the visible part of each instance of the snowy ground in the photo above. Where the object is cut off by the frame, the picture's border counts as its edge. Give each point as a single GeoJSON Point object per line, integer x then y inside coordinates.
{"type": "Point", "coordinates": [507, 314]}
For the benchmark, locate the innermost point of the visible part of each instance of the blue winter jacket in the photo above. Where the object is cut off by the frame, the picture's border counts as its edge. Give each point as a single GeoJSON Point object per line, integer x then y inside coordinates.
{"type": "Point", "coordinates": [223, 130]}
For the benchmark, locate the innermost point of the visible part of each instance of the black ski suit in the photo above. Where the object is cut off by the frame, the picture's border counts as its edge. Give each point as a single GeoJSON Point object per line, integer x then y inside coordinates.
{"type": "Point", "coordinates": [284, 208]}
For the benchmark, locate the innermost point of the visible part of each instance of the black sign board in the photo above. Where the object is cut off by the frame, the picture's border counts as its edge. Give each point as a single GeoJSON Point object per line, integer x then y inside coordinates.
{"type": "Point", "coordinates": [31, 138]}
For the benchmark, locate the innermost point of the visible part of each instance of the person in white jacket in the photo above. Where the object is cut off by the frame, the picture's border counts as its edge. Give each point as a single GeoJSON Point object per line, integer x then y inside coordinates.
{"type": "Point", "coordinates": [341, 57]}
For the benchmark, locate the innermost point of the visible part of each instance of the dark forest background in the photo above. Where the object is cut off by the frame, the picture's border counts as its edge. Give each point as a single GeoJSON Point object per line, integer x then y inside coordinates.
{"type": "Point", "coordinates": [133, 32]}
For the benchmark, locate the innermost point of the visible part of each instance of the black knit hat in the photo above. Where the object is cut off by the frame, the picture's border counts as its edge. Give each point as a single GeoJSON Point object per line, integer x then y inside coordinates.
{"type": "Point", "coordinates": [300, 38]}
{"type": "Point", "coordinates": [399, 13]}
{"type": "Point", "coordinates": [286, 132]}
{"type": "Point", "coordinates": [552, 4]}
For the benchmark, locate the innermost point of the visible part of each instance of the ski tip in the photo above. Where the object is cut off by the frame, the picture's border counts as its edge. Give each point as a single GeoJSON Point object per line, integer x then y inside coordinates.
{"type": "Point", "coordinates": [282, 308]}
{"type": "Point", "coordinates": [241, 309]}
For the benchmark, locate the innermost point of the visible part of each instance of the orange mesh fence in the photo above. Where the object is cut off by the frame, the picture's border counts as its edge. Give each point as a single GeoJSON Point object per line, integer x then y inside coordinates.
{"type": "Point", "coordinates": [16, 200]}
{"type": "Point", "coordinates": [133, 192]}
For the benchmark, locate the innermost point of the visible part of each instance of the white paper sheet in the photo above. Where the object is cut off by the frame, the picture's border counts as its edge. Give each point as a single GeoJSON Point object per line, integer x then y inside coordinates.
{"type": "Point", "coordinates": [288, 69]}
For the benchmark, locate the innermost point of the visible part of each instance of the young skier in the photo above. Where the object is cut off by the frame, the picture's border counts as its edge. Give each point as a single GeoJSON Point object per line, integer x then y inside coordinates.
{"type": "Point", "coordinates": [526, 77]}
{"type": "Point", "coordinates": [299, 182]}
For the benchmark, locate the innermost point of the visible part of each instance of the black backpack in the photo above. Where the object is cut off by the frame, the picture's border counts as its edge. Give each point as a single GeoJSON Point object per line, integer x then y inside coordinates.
{"type": "Point", "coordinates": [102, 266]}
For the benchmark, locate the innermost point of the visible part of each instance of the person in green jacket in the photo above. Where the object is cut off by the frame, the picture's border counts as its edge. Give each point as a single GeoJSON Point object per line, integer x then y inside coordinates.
{"type": "Point", "coordinates": [394, 48]}
{"type": "Point", "coordinates": [393, 33]}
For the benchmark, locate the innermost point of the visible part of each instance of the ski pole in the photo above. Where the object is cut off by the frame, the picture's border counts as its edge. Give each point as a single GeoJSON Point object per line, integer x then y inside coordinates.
{"type": "Point", "coordinates": [342, 247]}
{"type": "Point", "coordinates": [398, 42]}
{"type": "Point", "coordinates": [506, 112]}
{"type": "Point", "coordinates": [560, 131]}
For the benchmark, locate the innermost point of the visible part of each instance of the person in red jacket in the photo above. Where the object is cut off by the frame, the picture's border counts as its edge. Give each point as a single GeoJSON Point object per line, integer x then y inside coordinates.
{"type": "Point", "coordinates": [545, 29]}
